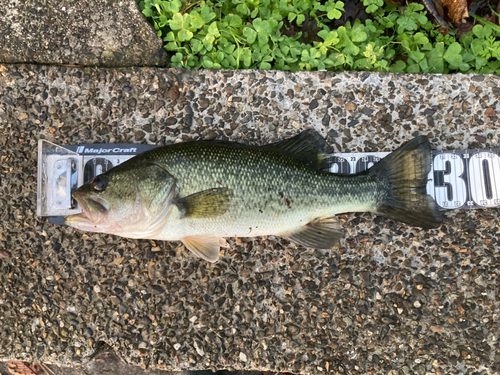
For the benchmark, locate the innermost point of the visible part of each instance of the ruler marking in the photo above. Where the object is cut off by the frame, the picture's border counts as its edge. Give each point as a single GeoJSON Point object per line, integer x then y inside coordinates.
{"type": "Point", "coordinates": [457, 179]}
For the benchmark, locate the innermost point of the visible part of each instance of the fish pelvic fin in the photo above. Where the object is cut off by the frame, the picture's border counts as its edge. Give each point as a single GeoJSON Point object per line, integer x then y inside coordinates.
{"type": "Point", "coordinates": [205, 204]}
{"type": "Point", "coordinates": [321, 233]}
{"type": "Point", "coordinates": [403, 178]}
{"type": "Point", "coordinates": [206, 247]}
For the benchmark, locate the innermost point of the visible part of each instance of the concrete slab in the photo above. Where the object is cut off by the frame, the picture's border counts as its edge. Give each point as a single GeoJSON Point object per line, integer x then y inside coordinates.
{"type": "Point", "coordinates": [390, 299]}
{"type": "Point", "coordinates": [104, 33]}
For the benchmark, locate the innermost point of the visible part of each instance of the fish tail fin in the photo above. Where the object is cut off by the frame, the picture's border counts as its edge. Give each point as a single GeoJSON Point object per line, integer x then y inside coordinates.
{"type": "Point", "coordinates": [403, 180]}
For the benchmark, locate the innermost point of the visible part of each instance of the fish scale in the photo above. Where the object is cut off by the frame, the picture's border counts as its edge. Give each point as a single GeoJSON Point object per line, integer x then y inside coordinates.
{"type": "Point", "coordinates": [201, 192]}
{"type": "Point", "coordinates": [262, 180]}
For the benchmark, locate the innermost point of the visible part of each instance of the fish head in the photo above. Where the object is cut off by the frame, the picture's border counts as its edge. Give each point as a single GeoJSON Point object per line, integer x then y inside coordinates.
{"type": "Point", "coordinates": [131, 201]}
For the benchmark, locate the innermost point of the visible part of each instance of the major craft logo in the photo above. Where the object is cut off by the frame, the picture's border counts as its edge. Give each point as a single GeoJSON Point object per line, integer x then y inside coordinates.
{"type": "Point", "coordinates": [110, 151]}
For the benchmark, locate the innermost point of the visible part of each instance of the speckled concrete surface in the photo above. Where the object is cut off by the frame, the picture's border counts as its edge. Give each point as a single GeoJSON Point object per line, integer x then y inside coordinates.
{"type": "Point", "coordinates": [84, 32]}
{"type": "Point", "coordinates": [392, 299]}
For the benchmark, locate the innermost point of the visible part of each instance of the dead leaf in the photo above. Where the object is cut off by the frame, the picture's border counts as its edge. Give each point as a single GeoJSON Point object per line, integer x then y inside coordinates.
{"type": "Point", "coordinates": [435, 8]}
{"type": "Point", "coordinates": [456, 10]}
{"type": "Point", "coordinates": [23, 368]}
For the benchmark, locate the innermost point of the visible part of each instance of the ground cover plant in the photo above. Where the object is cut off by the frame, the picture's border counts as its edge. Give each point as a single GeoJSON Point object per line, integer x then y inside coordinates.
{"type": "Point", "coordinates": [329, 34]}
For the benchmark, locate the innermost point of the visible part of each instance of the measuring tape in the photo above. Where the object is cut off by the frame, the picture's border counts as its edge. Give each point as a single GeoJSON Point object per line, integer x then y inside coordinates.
{"type": "Point", "coordinates": [458, 179]}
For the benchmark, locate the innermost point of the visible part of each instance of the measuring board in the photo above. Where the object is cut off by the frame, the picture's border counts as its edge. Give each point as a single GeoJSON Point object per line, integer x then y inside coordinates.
{"type": "Point", "coordinates": [462, 179]}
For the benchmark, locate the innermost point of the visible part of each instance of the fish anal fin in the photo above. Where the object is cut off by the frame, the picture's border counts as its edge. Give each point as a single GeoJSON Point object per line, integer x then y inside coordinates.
{"type": "Point", "coordinates": [321, 233]}
{"type": "Point", "coordinates": [206, 204]}
{"type": "Point", "coordinates": [206, 247]}
{"type": "Point", "coordinates": [309, 147]}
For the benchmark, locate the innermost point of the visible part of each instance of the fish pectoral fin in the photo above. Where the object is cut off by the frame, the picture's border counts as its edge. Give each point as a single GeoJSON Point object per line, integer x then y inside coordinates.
{"type": "Point", "coordinates": [205, 204]}
{"type": "Point", "coordinates": [309, 147]}
{"type": "Point", "coordinates": [206, 247]}
{"type": "Point", "coordinates": [321, 233]}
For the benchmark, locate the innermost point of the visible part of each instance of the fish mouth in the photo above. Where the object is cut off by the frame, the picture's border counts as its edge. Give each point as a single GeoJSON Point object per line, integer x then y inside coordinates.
{"type": "Point", "coordinates": [94, 211]}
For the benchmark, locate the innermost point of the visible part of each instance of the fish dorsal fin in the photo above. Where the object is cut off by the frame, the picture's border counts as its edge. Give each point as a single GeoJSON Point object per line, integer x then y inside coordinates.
{"type": "Point", "coordinates": [206, 247]}
{"type": "Point", "coordinates": [322, 233]}
{"type": "Point", "coordinates": [309, 147]}
{"type": "Point", "coordinates": [205, 204]}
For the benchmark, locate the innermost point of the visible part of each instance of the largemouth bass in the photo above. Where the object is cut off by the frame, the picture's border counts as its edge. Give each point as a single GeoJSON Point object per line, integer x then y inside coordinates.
{"type": "Point", "coordinates": [201, 192]}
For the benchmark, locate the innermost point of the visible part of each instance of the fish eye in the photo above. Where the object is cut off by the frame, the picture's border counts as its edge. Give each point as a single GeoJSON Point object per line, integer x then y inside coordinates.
{"type": "Point", "coordinates": [99, 184]}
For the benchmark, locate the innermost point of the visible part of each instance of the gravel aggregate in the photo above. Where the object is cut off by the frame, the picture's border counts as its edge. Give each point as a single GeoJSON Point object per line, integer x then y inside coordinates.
{"type": "Point", "coordinates": [85, 32]}
{"type": "Point", "coordinates": [390, 299]}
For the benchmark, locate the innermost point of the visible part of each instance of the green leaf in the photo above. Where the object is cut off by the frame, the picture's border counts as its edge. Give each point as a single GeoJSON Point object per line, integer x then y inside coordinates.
{"type": "Point", "coordinates": [414, 7]}
{"type": "Point", "coordinates": [196, 22]}
{"type": "Point", "coordinates": [435, 58]}
{"type": "Point", "coordinates": [416, 55]}
{"type": "Point", "coordinates": [420, 38]}
{"type": "Point", "coordinates": [358, 35]}
{"type": "Point", "coordinates": [207, 14]}
{"type": "Point", "coordinates": [163, 20]}
{"type": "Point", "coordinates": [264, 65]}
{"type": "Point", "coordinates": [351, 49]}
{"type": "Point", "coordinates": [177, 22]}
{"type": "Point", "coordinates": [250, 34]}
{"type": "Point", "coordinates": [229, 49]}
{"type": "Point", "coordinates": [464, 67]}
{"type": "Point", "coordinates": [295, 52]}
{"type": "Point", "coordinates": [263, 39]}
{"type": "Point", "coordinates": [176, 59]}
{"type": "Point", "coordinates": [480, 62]}
{"type": "Point", "coordinates": [477, 47]}
{"type": "Point", "coordinates": [398, 67]}
{"type": "Point", "coordinates": [388, 21]}
{"type": "Point", "coordinates": [331, 38]}
{"type": "Point", "coordinates": [407, 23]}
{"type": "Point", "coordinates": [235, 21]}
{"type": "Point", "coordinates": [488, 24]}
{"type": "Point", "coordinates": [196, 45]}
{"type": "Point", "coordinates": [424, 66]}
{"type": "Point", "coordinates": [262, 26]}
{"type": "Point", "coordinates": [383, 64]}
{"type": "Point", "coordinates": [452, 54]}
{"type": "Point", "coordinates": [219, 56]}
{"type": "Point", "coordinates": [213, 30]}
{"type": "Point", "coordinates": [371, 8]}
{"type": "Point", "coordinates": [170, 37]}
{"type": "Point", "coordinates": [300, 19]}
{"type": "Point", "coordinates": [413, 68]}
{"type": "Point", "coordinates": [184, 35]}
{"type": "Point", "coordinates": [422, 19]}
{"type": "Point", "coordinates": [171, 46]}
{"type": "Point", "coordinates": [243, 9]}
{"type": "Point", "coordinates": [334, 14]}
{"type": "Point", "coordinates": [207, 64]}
{"type": "Point", "coordinates": [246, 57]}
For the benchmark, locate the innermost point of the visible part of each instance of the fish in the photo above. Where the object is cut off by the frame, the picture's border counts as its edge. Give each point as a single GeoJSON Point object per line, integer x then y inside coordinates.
{"type": "Point", "coordinates": [202, 192]}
